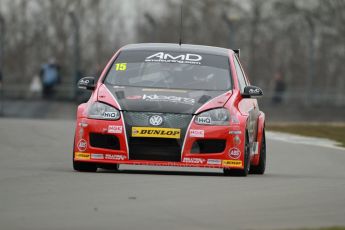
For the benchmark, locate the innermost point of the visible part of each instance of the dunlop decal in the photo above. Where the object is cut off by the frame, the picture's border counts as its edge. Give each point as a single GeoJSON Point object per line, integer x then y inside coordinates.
{"type": "Point", "coordinates": [232, 163]}
{"type": "Point", "coordinates": [156, 132]}
{"type": "Point", "coordinates": [82, 156]}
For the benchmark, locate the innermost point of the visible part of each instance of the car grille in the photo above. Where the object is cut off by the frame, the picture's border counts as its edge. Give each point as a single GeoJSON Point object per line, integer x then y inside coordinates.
{"type": "Point", "coordinates": [208, 146]}
{"type": "Point", "coordinates": [170, 120]}
{"type": "Point", "coordinates": [104, 141]}
{"type": "Point", "coordinates": [155, 149]}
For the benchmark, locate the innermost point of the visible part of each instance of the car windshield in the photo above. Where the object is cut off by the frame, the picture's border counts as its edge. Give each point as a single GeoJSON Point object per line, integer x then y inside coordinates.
{"type": "Point", "coordinates": [172, 70]}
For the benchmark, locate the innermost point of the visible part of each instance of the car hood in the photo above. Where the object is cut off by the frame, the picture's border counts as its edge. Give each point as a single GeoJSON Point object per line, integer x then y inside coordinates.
{"type": "Point", "coordinates": [163, 100]}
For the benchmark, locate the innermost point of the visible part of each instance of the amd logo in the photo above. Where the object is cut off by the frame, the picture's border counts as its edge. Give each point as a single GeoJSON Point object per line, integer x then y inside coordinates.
{"type": "Point", "coordinates": [182, 58]}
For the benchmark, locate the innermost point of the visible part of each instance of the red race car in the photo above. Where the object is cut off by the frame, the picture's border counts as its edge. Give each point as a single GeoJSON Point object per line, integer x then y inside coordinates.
{"type": "Point", "coordinates": [171, 105]}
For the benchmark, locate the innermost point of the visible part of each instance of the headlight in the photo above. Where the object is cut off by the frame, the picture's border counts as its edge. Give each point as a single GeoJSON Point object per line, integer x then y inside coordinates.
{"type": "Point", "coordinates": [102, 111]}
{"type": "Point", "coordinates": [219, 116]}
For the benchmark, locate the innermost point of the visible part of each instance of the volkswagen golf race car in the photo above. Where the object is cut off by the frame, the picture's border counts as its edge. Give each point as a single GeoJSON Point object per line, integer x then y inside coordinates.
{"type": "Point", "coordinates": [171, 105]}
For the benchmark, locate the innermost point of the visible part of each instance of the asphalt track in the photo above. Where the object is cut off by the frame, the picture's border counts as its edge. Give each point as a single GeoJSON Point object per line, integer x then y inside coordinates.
{"type": "Point", "coordinates": [304, 187]}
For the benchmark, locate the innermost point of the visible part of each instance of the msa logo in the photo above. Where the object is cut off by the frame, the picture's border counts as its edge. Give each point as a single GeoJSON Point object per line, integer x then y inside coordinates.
{"type": "Point", "coordinates": [203, 120]}
{"type": "Point", "coordinates": [182, 58]}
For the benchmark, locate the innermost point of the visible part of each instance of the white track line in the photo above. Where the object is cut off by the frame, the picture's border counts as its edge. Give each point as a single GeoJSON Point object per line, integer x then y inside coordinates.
{"type": "Point", "coordinates": [297, 139]}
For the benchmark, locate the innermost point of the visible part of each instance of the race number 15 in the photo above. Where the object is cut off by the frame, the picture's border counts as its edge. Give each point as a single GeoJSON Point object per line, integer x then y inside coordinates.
{"type": "Point", "coordinates": [121, 66]}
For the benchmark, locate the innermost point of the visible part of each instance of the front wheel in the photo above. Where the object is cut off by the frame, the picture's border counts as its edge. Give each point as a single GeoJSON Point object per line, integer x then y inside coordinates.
{"type": "Point", "coordinates": [84, 167]}
{"type": "Point", "coordinates": [241, 172]}
{"type": "Point", "coordinates": [260, 168]}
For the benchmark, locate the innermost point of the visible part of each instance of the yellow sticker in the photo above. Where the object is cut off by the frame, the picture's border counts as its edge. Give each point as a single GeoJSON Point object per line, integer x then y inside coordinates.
{"type": "Point", "coordinates": [120, 66]}
{"type": "Point", "coordinates": [82, 156]}
{"type": "Point", "coordinates": [232, 163]}
{"type": "Point", "coordinates": [156, 132]}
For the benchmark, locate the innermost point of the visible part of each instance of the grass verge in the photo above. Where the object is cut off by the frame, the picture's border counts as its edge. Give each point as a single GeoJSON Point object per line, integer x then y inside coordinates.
{"type": "Point", "coordinates": [334, 132]}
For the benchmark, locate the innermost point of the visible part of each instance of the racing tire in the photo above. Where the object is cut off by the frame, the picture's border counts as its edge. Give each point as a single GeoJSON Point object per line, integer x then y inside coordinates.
{"type": "Point", "coordinates": [112, 167]}
{"type": "Point", "coordinates": [241, 172]}
{"type": "Point", "coordinates": [84, 167]}
{"type": "Point", "coordinates": [260, 168]}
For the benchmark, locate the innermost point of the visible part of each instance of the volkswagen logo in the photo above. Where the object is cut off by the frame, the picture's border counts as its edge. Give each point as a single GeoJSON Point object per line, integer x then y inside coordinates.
{"type": "Point", "coordinates": [156, 120]}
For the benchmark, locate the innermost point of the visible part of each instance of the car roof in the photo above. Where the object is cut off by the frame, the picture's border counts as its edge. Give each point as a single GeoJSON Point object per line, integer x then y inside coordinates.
{"type": "Point", "coordinates": [179, 48]}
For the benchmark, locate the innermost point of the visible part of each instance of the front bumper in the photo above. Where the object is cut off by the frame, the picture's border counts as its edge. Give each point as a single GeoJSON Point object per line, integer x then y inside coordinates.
{"type": "Point", "coordinates": [102, 141]}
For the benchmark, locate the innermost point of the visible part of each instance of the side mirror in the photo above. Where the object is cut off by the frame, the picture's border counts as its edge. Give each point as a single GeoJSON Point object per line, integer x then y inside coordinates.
{"type": "Point", "coordinates": [252, 91]}
{"type": "Point", "coordinates": [87, 83]}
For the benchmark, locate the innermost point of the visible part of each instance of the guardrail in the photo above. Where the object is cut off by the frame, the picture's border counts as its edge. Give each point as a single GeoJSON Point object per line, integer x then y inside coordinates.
{"type": "Point", "coordinates": [19, 91]}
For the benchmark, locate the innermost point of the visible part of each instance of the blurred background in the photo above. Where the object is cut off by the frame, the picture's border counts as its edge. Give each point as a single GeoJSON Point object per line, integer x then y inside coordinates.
{"type": "Point", "coordinates": [293, 49]}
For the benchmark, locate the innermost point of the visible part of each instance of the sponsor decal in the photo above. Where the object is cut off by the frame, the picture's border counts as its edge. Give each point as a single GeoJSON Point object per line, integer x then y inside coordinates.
{"type": "Point", "coordinates": [164, 90]}
{"type": "Point", "coordinates": [196, 133]}
{"type": "Point", "coordinates": [114, 129]}
{"type": "Point", "coordinates": [156, 120]}
{"type": "Point", "coordinates": [173, 99]}
{"type": "Point", "coordinates": [83, 124]}
{"type": "Point", "coordinates": [237, 140]}
{"type": "Point", "coordinates": [81, 156]}
{"type": "Point", "coordinates": [203, 120]}
{"type": "Point", "coordinates": [254, 91]}
{"type": "Point", "coordinates": [232, 163]}
{"type": "Point", "coordinates": [134, 97]}
{"type": "Point", "coordinates": [81, 133]}
{"type": "Point", "coordinates": [156, 132]}
{"type": "Point", "coordinates": [84, 82]}
{"type": "Point", "coordinates": [192, 160]}
{"type": "Point", "coordinates": [110, 115]}
{"type": "Point", "coordinates": [82, 145]}
{"type": "Point", "coordinates": [115, 157]}
{"type": "Point", "coordinates": [97, 156]}
{"type": "Point", "coordinates": [234, 119]}
{"type": "Point", "coordinates": [235, 132]}
{"type": "Point", "coordinates": [234, 153]}
{"type": "Point", "coordinates": [180, 58]}
{"type": "Point", "coordinates": [120, 66]}
{"type": "Point", "coordinates": [214, 162]}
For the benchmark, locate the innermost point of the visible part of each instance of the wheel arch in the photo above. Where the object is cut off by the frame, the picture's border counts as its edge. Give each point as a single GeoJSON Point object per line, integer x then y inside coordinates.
{"type": "Point", "coordinates": [260, 133]}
